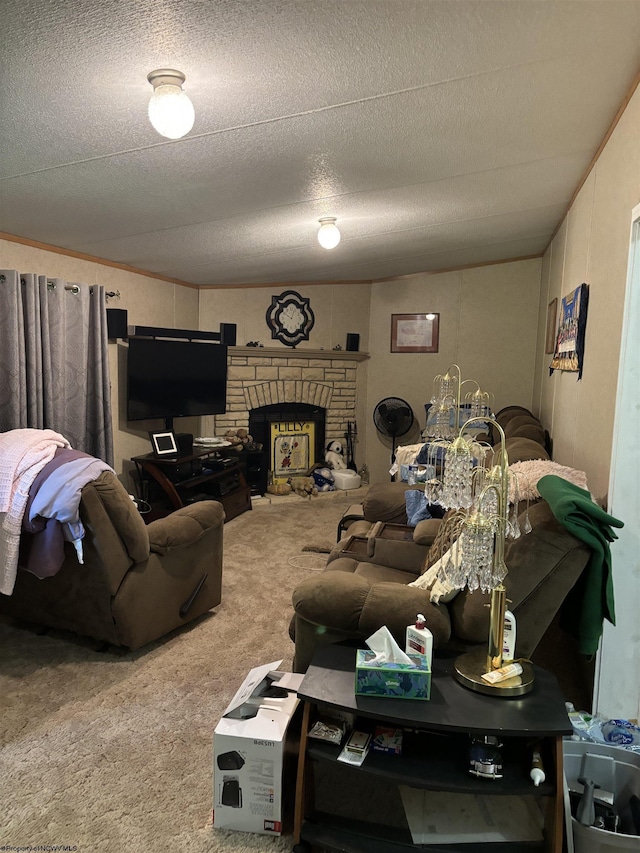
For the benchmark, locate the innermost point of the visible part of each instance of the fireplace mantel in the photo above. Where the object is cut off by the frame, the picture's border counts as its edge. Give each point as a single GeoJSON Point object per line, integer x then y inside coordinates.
{"type": "Point", "coordinates": [292, 352]}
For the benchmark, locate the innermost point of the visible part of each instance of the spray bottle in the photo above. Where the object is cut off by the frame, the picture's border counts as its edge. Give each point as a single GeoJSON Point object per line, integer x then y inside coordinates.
{"type": "Point", "coordinates": [509, 642]}
{"type": "Point", "coordinates": [419, 639]}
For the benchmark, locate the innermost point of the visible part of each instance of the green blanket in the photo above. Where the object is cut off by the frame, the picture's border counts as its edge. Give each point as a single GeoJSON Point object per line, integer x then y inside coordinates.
{"type": "Point", "coordinates": [590, 602]}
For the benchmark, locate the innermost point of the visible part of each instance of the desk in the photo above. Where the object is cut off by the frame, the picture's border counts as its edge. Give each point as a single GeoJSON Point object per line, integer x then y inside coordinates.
{"type": "Point", "coordinates": [435, 756]}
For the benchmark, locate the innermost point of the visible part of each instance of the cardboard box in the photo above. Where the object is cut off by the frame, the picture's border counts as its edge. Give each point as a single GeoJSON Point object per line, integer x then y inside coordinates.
{"type": "Point", "coordinates": [249, 749]}
{"type": "Point", "coordinates": [395, 680]}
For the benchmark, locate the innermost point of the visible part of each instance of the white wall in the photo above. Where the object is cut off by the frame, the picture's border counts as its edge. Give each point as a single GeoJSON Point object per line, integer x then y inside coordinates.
{"type": "Point", "coordinates": [488, 321]}
{"type": "Point", "coordinates": [591, 246]}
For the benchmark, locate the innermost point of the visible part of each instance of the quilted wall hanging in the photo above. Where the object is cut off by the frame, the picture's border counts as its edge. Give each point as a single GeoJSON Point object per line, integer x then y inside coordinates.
{"type": "Point", "coordinates": [569, 350]}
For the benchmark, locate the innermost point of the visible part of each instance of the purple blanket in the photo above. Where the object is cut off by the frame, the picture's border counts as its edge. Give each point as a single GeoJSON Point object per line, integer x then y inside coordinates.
{"type": "Point", "coordinates": [52, 510]}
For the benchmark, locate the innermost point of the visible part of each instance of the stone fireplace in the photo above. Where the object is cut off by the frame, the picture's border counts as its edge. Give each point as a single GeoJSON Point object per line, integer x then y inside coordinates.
{"type": "Point", "coordinates": [261, 378]}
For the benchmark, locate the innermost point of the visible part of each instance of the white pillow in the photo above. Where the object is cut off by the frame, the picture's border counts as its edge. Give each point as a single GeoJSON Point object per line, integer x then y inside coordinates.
{"type": "Point", "coordinates": [441, 590]}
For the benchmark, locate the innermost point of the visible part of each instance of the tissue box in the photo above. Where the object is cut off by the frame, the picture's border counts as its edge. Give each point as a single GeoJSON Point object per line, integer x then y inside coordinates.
{"type": "Point", "coordinates": [396, 680]}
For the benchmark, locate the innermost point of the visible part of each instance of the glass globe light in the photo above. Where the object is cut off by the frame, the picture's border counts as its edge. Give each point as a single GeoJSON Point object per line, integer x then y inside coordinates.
{"type": "Point", "coordinates": [328, 234]}
{"type": "Point", "coordinates": [170, 109]}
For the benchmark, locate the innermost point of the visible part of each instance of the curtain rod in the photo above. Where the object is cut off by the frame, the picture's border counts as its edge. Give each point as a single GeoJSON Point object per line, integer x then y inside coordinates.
{"type": "Point", "coordinates": [75, 289]}
{"type": "Point", "coordinates": [51, 285]}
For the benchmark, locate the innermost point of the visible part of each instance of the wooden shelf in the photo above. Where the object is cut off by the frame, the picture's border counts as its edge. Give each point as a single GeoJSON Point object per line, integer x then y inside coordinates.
{"type": "Point", "coordinates": [331, 833]}
{"type": "Point", "coordinates": [440, 763]}
{"type": "Point", "coordinates": [295, 352]}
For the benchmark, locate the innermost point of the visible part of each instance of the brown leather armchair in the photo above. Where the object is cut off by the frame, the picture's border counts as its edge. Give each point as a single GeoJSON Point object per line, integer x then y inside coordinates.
{"type": "Point", "coordinates": [137, 582]}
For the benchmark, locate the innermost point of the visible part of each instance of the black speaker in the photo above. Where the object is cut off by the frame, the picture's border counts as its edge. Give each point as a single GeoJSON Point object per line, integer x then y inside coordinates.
{"type": "Point", "coordinates": [353, 342]}
{"type": "Point", "coordinates": [228, 334]}
{"type": "Point", "coordinates": [117, 323]}
{"type": "Point", "coordinates": [184, 441]}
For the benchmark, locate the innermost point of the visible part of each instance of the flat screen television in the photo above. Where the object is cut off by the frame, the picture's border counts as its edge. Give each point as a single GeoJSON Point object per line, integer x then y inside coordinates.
{"type": "Point", "coordinates": [175, 379]}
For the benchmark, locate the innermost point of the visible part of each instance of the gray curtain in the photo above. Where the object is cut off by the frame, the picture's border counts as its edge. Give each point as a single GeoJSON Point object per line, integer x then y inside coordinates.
{"type": "Point", "coordinates": [54, 367]}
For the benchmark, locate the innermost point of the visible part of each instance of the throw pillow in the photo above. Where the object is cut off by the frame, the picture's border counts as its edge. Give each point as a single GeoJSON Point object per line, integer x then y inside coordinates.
{"type": "Point", "coordinates": [417, 508]}
{"type": "Point", "coordinates": [441, 591]}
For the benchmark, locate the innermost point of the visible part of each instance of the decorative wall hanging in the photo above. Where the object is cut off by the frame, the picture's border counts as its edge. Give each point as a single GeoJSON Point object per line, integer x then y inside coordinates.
{"type": "Point", "coordinates": [569, 351]}
{"type": "Point", "coordinates": [291, 444]}
{"type": "Point", "coordinates": [414, 332]}
{"type": "Point", "coordinates": [290, 318]}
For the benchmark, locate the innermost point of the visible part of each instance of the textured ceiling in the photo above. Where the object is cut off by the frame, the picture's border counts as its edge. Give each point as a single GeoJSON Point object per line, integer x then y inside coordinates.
{"type": "Point", "coordinates": [438, 133]}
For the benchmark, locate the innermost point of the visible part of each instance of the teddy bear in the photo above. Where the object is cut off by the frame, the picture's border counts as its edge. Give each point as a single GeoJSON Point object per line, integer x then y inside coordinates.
{"type": "Point", "coordinates": [240, 439]}
{"type": "Point", "coordinates": [324, 479]}
{"type": "Point", "coordinates": [303, 486]}
{"type": "Point", "coordinates": [279, 489]}
{"type": "Point", "coordinates": [333, 455]}
{"type": "Point", "coordinates": [236, 440]}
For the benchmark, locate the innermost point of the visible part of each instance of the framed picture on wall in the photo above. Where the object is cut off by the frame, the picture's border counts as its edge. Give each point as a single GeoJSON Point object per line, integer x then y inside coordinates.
{"type": "Point", "coordinates": [414, 332]}
{"type": "Point", "coordinates": [552, 314]}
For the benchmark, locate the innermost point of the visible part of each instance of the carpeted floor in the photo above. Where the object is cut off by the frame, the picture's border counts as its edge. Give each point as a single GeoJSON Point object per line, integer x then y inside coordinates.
{"type": "Point", "coordinates": [109, 752]}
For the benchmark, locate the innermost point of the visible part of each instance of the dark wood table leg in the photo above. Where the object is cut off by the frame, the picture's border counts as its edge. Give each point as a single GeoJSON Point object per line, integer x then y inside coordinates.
{"type": "Point", "coordinates": [298, 817]}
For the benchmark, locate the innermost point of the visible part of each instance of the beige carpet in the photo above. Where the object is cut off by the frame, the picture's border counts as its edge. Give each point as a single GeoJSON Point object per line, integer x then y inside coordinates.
{"type": "Point", "coordinates": [113, 752]}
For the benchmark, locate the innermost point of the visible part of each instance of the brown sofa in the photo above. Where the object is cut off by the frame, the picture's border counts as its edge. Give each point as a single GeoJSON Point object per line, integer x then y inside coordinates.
{"type": "Point", "coordinates": [137, 582]}
{"type": "Point", "coordinates": [355, 596]}
{"type": "Point", "coordinates": [359, 592]}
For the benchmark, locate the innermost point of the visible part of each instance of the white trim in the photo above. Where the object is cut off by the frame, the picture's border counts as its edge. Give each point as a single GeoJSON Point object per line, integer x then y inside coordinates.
{"type": "Point", "coordinates": [617, 685]}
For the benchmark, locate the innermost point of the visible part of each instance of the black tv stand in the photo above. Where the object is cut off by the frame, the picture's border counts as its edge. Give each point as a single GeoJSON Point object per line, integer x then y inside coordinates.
{"type": "Point", "coordinates": [169, 483]}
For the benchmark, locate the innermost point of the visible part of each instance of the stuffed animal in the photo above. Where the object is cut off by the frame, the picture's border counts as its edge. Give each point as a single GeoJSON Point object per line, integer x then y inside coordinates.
{"type": "Point", "coordinates": [303, 486]}
{"type": "Point", "coordinates": [241, 440]}
{"type": "Point", "coordinates": [333, 456]}
{"type": "Point", "coordinates": [279, 489]}
{"type": "Point", "coordinates": [324, 479]}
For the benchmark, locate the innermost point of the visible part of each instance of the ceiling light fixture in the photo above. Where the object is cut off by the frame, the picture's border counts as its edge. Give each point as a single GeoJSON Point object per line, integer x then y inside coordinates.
{"type": "Point", "coordinates": [328, 233]}
{"type": "Point", "coordinates": [170, 110]}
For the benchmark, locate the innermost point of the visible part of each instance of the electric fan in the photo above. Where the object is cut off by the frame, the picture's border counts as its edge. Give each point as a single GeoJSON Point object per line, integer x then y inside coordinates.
{"type": "Point", "coordinates": [393, 417]}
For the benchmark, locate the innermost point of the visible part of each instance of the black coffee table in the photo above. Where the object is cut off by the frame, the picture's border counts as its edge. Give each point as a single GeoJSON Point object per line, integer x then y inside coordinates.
{"type": "Point", "coordinates": [435, 758]}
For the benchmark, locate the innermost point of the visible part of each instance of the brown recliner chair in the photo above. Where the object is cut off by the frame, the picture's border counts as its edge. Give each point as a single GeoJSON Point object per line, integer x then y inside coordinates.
{"type": "Point", "coordinates": [137, 582]}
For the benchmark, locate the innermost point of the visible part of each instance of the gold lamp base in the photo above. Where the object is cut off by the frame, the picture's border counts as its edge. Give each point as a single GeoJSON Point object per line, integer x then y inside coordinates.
{"type": "Point", "coordinates": [469, 668]}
